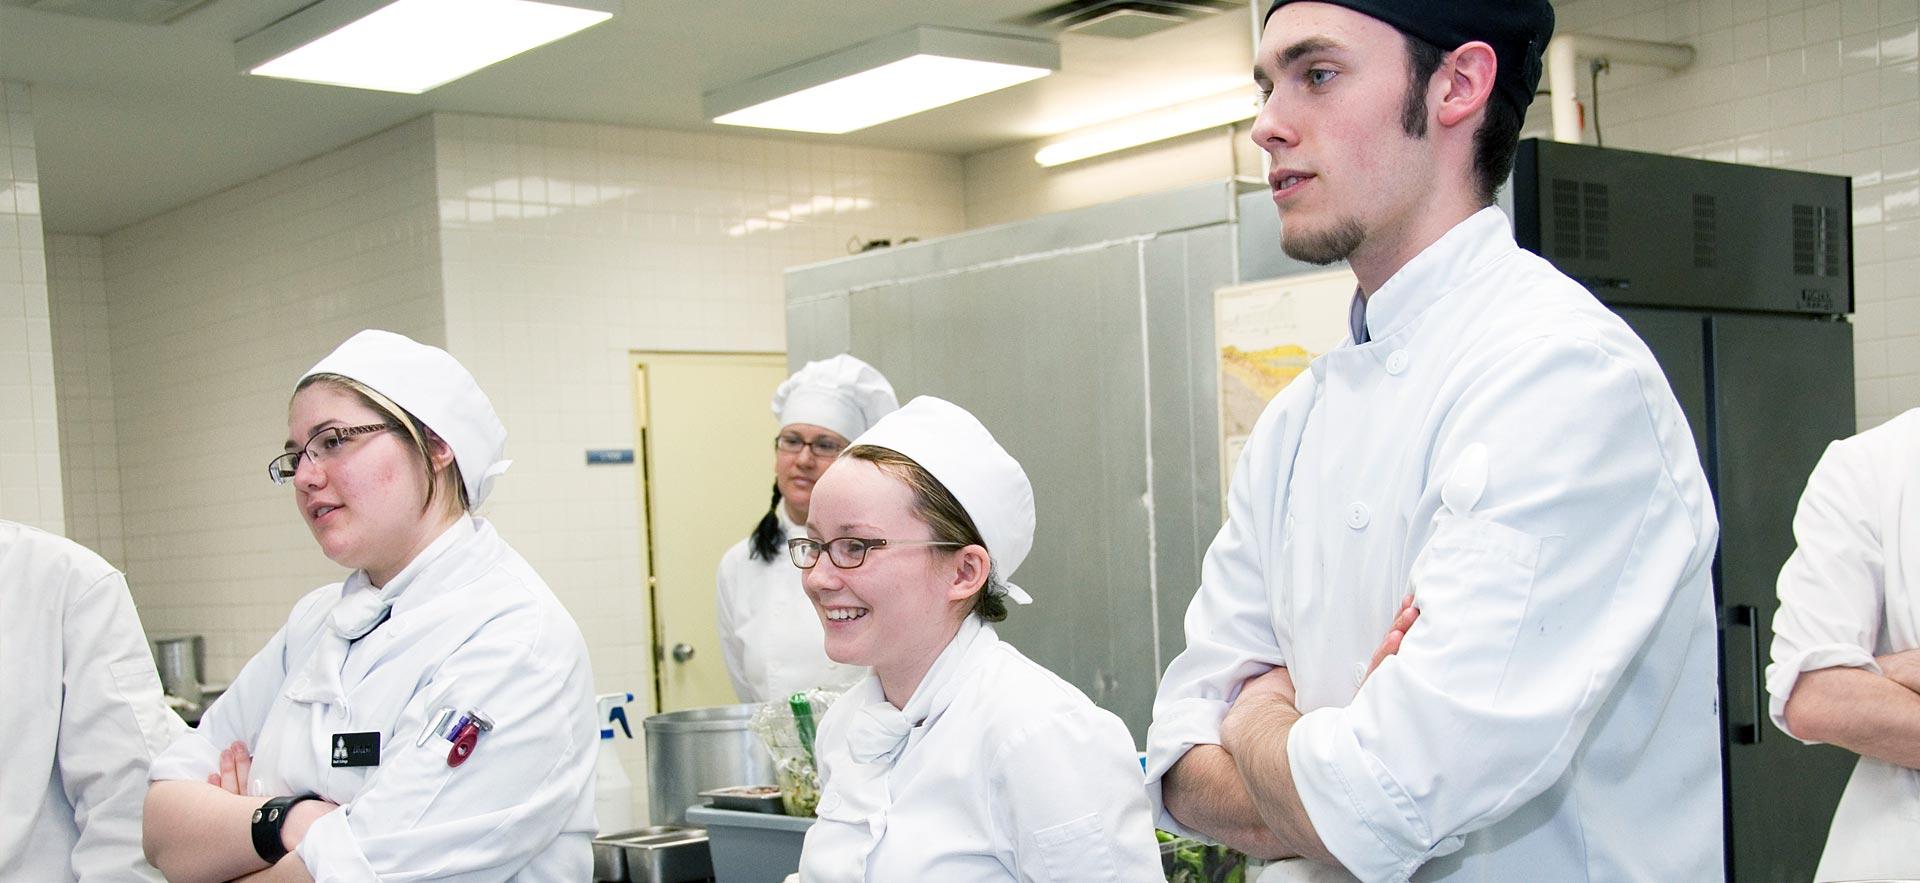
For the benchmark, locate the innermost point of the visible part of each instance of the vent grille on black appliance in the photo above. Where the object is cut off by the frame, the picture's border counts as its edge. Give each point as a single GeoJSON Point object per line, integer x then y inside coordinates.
{"type": "Point", "coordinates": [1706, 231]}
{"type": "Point", "coordinates": [1816, 241]}
{"type": "Point", "coordinates": [1580, 220]}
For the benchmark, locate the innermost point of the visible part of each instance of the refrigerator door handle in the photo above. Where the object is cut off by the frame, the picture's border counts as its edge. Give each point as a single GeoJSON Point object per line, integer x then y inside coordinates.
{"type": "Point", "coordinates": [1749, 732]}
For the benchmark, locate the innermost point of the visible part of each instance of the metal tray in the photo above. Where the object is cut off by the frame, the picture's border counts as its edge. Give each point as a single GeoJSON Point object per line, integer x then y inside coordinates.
{"type": "Point", "coordinates": [658, 854]}
{"type": "Point", "coordinates": [747, 798]}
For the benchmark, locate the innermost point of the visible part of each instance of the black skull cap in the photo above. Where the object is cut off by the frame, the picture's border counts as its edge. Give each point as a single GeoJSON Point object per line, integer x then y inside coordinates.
{"type": "Point", "coordinates": [1518, 31]}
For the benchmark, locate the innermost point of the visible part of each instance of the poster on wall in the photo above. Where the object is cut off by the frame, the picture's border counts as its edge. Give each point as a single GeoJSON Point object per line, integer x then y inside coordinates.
{"type": "Point", "coordinates": [1265, 333]}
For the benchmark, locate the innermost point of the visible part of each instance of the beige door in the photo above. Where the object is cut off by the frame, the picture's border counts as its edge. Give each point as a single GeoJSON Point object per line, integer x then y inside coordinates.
{"type": "Point", "coordinates": [706, 457]}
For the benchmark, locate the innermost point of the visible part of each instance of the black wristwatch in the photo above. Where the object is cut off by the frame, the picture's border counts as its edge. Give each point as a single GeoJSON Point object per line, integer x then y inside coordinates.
{"type": "Point", "coordinates": [267, 822]}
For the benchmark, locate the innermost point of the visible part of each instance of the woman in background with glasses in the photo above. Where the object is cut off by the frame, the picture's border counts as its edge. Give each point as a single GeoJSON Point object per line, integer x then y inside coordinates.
{"type": "Point", "coordinates": [958, 759]}
{"type": "Point", "coordinates": [767, 630]}
{"type": "Point", "coordinates": [431, 716]}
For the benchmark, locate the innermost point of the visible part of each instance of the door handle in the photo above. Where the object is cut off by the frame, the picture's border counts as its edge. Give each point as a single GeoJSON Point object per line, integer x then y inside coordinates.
{"type": "Point", "coordinates": [682, 652]}
{"type": "Point", "coordinates": [1749, 732]}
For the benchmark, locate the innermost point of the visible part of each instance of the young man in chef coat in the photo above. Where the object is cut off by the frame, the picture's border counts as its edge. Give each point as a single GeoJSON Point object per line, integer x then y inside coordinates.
{"type": "Point", "coordinates": [1491, 442]}
{"type": "Point", "coordinates": [83, 719]}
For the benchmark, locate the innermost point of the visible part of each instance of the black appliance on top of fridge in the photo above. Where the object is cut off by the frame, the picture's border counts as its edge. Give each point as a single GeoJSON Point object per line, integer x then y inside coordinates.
{"type": "Point", "coordinates": [1739, 279]}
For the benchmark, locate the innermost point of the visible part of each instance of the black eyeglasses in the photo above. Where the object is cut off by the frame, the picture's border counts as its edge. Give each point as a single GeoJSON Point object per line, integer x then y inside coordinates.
{"type": "Point", "coordinates": [325, 445]}
{"type": "Point", "coordinates": [823, 447]}
{"type": "Point", "coordinates": [845, 552]}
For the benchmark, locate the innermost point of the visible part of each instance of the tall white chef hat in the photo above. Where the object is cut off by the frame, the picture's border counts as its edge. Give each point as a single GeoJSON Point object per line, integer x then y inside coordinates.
{"type": "Point", "coordinates": [840, 393]}
{"type": "Point", "coordinates": [434, 387]}
{"type": "Point", "coordinates": [956, 449]}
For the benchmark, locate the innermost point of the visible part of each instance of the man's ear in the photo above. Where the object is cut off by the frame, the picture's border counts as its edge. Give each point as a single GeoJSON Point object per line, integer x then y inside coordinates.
{"type": "Point", "coordinates": [1468, 84]}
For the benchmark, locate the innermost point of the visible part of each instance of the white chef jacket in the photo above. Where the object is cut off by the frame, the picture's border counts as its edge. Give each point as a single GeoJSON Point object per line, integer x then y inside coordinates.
{"type": "Point", "coordinates": [1012, 774]}
{"type": "Point", "coordinates": [1849, 593]}
{"type": "Point", "coordinates": [472, 628]}
{"type": "Point", "coordinates": [769, 632]}
{"type": "Point", "coordinates": [1505, 448]}
{"type": "Point", "coordinates": [83, 716]}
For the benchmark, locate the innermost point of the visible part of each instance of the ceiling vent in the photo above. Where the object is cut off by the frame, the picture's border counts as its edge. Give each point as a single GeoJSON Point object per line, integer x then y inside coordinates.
{"type": "Point", "coordinates": [145, 12]}
{"type": "Point", "coordinates": [1123, 19]}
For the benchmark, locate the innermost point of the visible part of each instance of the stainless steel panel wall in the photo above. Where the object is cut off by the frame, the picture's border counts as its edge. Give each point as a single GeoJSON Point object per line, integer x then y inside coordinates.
{"type": "Point", "coordinates": [1182, 272]}
{"type": "Point", "coordinates": [1048, 354]}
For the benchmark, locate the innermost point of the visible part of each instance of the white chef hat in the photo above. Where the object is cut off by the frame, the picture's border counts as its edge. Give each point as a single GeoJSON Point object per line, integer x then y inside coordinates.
{"type": "Point", "coordinates": [956, 449]}
{"type": "Point", "coordinates": [433, 386]}
{"type": "Point", "coordinates": [840, 393]}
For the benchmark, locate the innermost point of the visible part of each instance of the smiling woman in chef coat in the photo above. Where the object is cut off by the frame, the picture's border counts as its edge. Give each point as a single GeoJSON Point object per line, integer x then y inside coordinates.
{"type": "Point", "coordinates": [767, 629]}
{"type": "Point", "coordinates": [958, 759]}
{"type": "Point", "coordinates": [431, 717]}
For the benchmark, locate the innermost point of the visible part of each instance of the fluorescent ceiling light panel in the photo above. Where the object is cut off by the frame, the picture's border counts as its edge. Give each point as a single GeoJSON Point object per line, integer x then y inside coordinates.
{"type": "Point", "coordinates": [1146, 128]}
{"type": "Point", "coordinates": [409, 46]}
{"type": "Point", "coordinates": [884, 79]}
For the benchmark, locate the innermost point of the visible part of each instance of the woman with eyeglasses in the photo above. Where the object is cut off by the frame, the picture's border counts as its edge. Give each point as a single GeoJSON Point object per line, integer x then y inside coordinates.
{"type": "Point", "coordinates": [768, 633]}
{"type": "Point", "coordinates": [430, 717]}
{"type": "Point", "coordinates": [958, 759]}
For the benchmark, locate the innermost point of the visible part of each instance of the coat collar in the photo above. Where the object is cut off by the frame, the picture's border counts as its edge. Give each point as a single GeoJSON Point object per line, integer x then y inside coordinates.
{"type": "Point", "coordinates": [1457, 256]}
{"type": "Point", "coordinates": [433, 559]}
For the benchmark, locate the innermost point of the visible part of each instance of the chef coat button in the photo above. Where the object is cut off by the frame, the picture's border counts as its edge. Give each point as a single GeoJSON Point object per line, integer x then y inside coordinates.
{"type": "Point", "coordinates": [1397, 362]}
{"type": "Point", "coordinates": [1359, 673]}
{"type": "Point", "coordinates": [1357, 516]}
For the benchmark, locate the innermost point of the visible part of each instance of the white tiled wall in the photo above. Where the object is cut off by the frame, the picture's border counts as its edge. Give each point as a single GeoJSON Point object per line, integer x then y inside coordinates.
{"type": "Point", "coordinates": [29, 428]}
{"type": "Point", "coordinates": [568, 246]}
{"type": "Point", "coordinates": [83, 384]}
{"type": "Point", "coordinates": [1823, 85]}
{"type": "Point", "coordinates": [540, 254]}
{"type": "Point", "coordinates": [216, 310]}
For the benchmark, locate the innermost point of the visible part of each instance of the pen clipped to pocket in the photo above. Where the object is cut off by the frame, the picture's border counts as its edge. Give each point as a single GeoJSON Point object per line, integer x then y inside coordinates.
{"type": "Point", "coordinates": [438, 724]}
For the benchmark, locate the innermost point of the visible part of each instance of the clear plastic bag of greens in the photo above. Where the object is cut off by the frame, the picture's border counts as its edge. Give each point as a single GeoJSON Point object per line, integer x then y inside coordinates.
{"type": "Point", "coordinates": [786, 727]}
{"type": "Point", "coordinates": [1185, 860]}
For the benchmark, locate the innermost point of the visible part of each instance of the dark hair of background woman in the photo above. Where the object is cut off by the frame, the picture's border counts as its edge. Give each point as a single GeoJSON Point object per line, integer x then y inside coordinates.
{"type": "Point", "coordinates": [768, 535]}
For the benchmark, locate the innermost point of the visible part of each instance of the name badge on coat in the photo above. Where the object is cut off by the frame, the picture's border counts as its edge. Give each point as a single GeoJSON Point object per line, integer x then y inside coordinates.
{"type": "Point", "coordinates": [356, 749]}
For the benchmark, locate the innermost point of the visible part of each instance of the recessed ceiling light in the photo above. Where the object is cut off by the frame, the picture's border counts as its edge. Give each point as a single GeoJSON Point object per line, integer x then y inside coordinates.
{"type": "Point", "coordinates": [409, 46]}
{"type": "Point", "coordinates": [883, 79]}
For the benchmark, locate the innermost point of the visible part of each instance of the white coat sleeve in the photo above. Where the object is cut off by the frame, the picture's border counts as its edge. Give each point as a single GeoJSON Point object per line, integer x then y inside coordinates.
{"type": "Point", "coordinates": [418, 818]}
{"type": "Point", "coordinates": [726, 595]}
{"type": "Point", "coordinates": [1230, 623]}
{"type": "Point", "coordinates": [1833, 588]}
{"type": "Point", "coordinates": [1533, 602]}
{"type": "Point", "coordinates": [240, 712]}
{"type": "Point", "coordinates": [1067, 796]}
{"type": "Point", "coordinates": [112, 724]}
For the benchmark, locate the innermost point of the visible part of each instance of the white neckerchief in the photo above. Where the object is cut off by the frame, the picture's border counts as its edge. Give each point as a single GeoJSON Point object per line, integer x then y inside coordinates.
{"type": "Point", "coordinates": [361, 607]}
{"type": "Point", "coordinates": [879, 731]}
{"type": "Point", "coordinates": [857, 796]}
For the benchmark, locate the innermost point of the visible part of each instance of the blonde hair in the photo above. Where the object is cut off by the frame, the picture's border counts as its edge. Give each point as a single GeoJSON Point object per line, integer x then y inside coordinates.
{"type": "Point", "coordinates": [455, 498]}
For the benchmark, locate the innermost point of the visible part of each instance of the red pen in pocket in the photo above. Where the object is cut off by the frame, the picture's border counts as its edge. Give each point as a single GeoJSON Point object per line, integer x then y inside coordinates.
{"type": "Point", "coordinates": [466, 736]}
